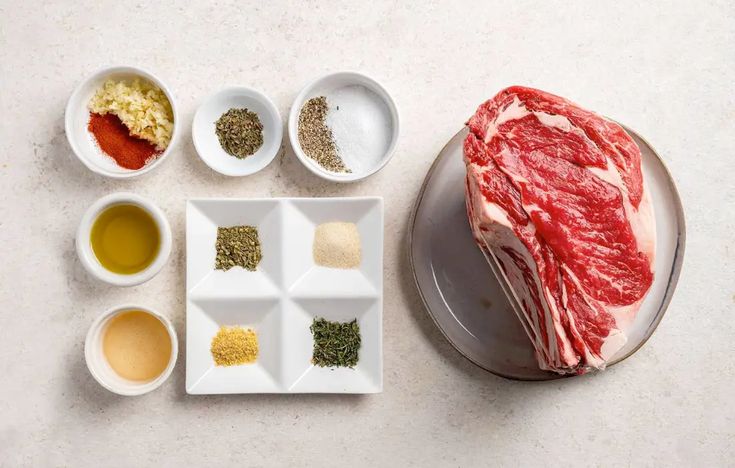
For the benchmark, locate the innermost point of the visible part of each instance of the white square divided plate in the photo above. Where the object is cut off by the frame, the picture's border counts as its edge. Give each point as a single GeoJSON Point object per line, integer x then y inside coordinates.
{"type": "Point", "coordinates": [282, 297]}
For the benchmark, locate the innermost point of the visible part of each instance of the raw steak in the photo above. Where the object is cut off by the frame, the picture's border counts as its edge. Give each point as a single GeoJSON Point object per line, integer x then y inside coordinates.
{"type": "Point", "coordinates": [555, 193]}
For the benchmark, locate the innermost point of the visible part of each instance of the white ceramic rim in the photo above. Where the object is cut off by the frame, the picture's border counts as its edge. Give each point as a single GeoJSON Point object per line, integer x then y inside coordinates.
{"type": "Point", "coordinates": [89, 259]}
{"type": "Point", "coordinates": [250, 92]}
{"type": "Point", "coordinates": [312, 166]}
{"type": "Point", "coordinates": [72, 102]}
{"type": "Point", "coordinates": [95, 331]}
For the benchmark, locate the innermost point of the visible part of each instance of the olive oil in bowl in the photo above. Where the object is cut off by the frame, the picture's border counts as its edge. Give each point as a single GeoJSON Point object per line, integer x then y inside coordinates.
{"type": "Point", "coordinates": [125, 239]}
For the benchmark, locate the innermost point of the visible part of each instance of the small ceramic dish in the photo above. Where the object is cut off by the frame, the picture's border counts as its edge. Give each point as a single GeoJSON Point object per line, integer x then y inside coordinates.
{"type": "Point", "coordinates": [326, 86]}
{"type": "Point", "coordinates": [82, 141]}
{"type": "Point", "coordinates": [101, 369]}
{"type": "Point", "coordinates": [208, 146]}
{"type": "Point", "coordinates": [90, 261]}
{"type": "Point", "coordinates": [282, 297]}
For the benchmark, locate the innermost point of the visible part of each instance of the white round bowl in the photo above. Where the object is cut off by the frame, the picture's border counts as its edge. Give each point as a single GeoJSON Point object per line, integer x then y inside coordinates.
{"type": "Point", "coordinates": [77, 119]}
{"type": "Point", "coordinates": [101, 369]}
{"type": "Point", "coordinates": [84, 246]}
{"type": "Point", "coordinates": [206, 141]}
{"type": "Point", "coordinates": [323, 87]}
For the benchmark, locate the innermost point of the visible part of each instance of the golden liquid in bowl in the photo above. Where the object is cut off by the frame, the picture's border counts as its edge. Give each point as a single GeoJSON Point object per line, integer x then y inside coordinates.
{"type": "Point", "coordinates": [125, 239]}
{"type": "Point", "coordinates": [137, 345]}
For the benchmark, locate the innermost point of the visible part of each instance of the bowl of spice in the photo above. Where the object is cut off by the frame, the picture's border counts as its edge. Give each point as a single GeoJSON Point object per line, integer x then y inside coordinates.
{"type": "Point", "coordinates": [344, 126]}
{"type": "Point", "coordinates": [237, 131]}
{"type": "Point", "coordinates": [131, 350]}
{"type": "Point", "coordinates": [123, 239]}
{"type": "Point", "coordinates": [121, 122]}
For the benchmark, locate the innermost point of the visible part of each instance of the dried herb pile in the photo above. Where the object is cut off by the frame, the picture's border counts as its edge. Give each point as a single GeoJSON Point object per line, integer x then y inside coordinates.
{"type": "Point", "coordinates": [237, 246]}
{"type": "Point", "coordinates": [240, 132]}
{"type": "Point", "coordinates": [336, 344]}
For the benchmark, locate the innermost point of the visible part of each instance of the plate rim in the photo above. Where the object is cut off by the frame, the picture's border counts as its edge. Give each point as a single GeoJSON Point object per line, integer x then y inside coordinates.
{"type": "Point", "coordinates": [679, 254]}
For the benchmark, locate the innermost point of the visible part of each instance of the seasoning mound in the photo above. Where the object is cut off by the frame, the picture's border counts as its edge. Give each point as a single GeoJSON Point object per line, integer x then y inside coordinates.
{"type": "Point", "coordinates": [336, 344]}
{"type": "Point", "coordinates": [337, 245]}
{"type": "Point", "coordinates": [141, 106]}
{"type": "Point", "coordinates": [232, 346]}
{"type": "Point", "coordinates": [316, 138]}
{"type": "Point", "coordinates": [115, 140]}
{"type": "Point", "coordinates": [237, 246]}
{"type": "Point", "coordinates": [240, 132]}
{"type": "Point", "coordinates": [361, 126]}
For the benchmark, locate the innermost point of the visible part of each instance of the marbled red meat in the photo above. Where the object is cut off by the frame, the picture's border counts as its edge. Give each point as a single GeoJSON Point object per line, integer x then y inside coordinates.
{"type": "Point", "coordinates": [556, 194]}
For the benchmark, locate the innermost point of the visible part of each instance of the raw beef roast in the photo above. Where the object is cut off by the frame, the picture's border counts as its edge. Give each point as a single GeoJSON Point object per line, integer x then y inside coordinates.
{"type": "Point", "coordinates": [555, 193]}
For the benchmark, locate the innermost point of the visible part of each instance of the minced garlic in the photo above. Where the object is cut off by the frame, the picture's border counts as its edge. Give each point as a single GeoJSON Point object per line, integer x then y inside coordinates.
{"type": "Point", "coordinates": [142, 106]}
{"type": "Point", "coordinates": [233, 346]}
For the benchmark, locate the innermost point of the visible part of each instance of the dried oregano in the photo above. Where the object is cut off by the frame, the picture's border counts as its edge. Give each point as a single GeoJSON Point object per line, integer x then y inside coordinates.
{"type": "Point", "coordinates": [240, 132]}
{"type": "Point", "coordinates": [237, 246]}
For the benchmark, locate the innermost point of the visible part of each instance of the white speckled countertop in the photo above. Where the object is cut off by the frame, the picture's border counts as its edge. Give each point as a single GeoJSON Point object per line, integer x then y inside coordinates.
{"type": "Point", "coordinates": [666, 69]}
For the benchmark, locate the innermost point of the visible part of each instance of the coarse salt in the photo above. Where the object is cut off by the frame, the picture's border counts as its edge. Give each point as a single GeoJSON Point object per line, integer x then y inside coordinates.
{"type": "Point", "coordinates": [361, 126]}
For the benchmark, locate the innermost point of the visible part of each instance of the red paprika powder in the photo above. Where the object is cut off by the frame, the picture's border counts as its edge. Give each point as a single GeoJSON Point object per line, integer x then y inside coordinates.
{"type": "Point", "coordinates": [114, 138]}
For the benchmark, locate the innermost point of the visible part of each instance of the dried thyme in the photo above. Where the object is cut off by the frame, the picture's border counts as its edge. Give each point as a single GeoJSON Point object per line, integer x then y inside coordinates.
{"type": "Point", "coordinates": [240, 132]}
{"type": "Point", "coordinates": [237, 246]}
{"type": "Point", "coordinates": [316, 138]}
{"type": "Point", "coordinates": [336, 344]}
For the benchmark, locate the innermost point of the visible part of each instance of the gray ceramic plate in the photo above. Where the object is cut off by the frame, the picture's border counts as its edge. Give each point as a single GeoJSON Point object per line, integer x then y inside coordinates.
{"type": "Point", "coordinates": [468, 303]}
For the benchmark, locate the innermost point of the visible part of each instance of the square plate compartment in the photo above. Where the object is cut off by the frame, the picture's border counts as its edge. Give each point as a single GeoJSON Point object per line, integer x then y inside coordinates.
{"type": "Point", "coordinates": [281, 298]}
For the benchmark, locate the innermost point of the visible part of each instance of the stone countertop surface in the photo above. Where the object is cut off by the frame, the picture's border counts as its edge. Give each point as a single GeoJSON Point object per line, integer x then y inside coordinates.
{"type": "Point", "coordinates": [666, 69]}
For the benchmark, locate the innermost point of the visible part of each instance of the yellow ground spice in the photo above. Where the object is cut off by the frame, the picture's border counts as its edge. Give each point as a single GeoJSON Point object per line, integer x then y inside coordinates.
{"type": "Point", "coordinates": [233, 346]}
